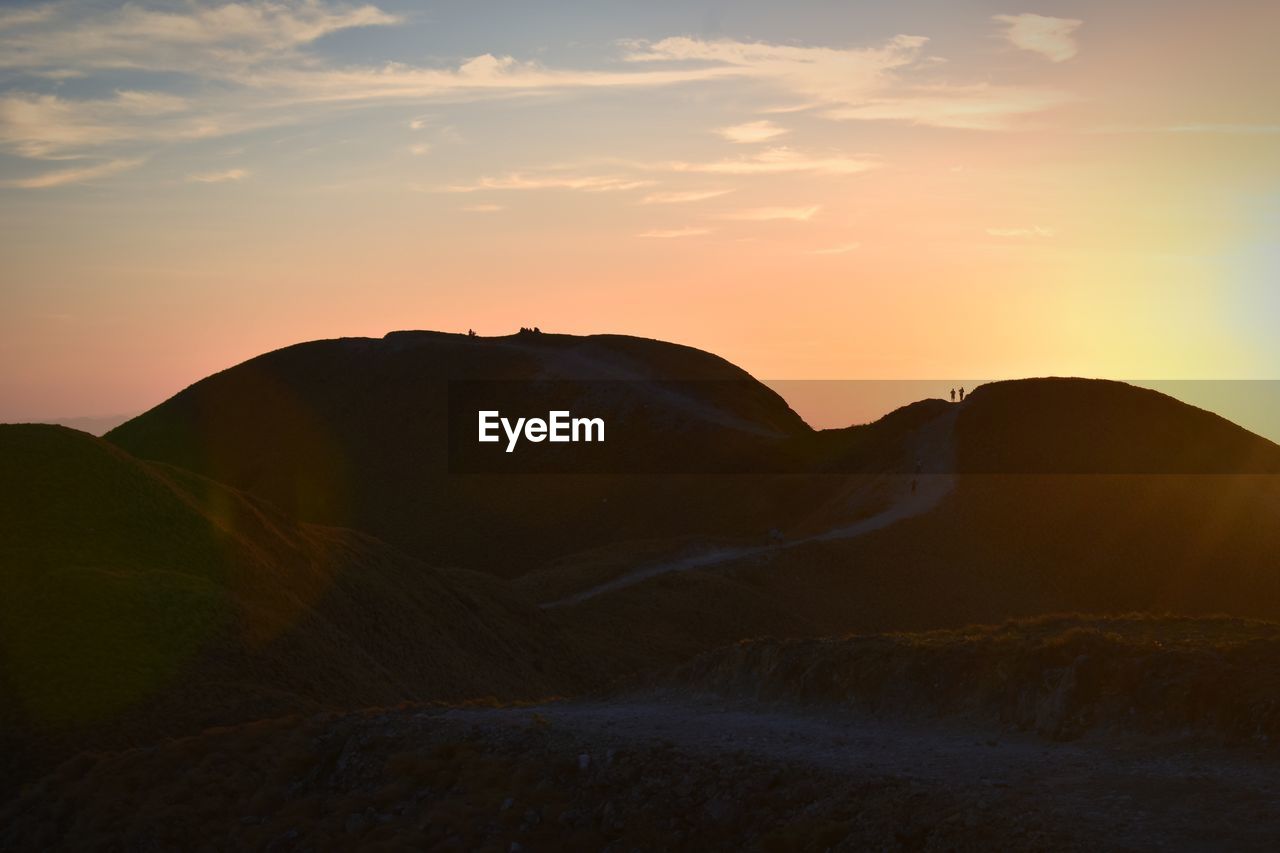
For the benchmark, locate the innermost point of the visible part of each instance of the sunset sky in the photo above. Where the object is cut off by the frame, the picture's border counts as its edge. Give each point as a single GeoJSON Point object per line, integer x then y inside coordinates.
{"type": "Point", "coordinates": [811, 190]}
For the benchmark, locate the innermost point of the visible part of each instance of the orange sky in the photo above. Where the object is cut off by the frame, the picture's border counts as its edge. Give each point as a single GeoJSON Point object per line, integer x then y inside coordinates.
{"type": "Point", "coordinates": [863, 191]}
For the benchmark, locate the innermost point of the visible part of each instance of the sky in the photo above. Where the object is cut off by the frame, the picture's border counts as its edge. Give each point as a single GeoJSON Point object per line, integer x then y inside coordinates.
{"type": "Point", "coordinates": [813, 190]}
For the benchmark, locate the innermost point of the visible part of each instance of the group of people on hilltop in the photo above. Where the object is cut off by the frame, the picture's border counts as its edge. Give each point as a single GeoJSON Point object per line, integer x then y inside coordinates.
{"type": "Point", "coordinates": [953, 394]}
{"type": "Point", "coordinates": [524, 330]}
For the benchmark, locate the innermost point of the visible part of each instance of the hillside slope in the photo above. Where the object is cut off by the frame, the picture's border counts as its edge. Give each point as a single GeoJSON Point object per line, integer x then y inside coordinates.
{"type": "Point", "coordinates": [1150, 530]}
{"type": "Point", "coordinates": [1040, 495]}
{"type": "Point", "coordinates": [355, 432]}
{"type": "Point", "coordinates": [140, 599]}
{"type": "Point", "coordinates": [1094, 426]}
{"type": "Point", "coordinates": [1070, 495]}
{"type": "Point", "coordinates": [1213, 678]}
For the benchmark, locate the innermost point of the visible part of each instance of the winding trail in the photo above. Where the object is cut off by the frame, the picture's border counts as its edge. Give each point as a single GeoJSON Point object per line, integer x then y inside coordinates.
{"type": "Point", "coordinates": [934, 447]}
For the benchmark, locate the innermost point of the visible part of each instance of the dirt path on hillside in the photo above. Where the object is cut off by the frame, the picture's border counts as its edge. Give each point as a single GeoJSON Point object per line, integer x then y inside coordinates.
{"type": "Point", "coordinates": [933, 447]}
{"type": "Point", "coordinates": [1119, 795]}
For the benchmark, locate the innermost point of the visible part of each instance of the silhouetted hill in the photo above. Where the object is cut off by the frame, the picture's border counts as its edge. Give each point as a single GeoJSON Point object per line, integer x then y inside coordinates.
{"type": "Point", "coordinates": [1092, 426]}
{"type": "Point", "coordinates": [1036, 496]}
{"type": "Point", "coordinates": [354, 432]}
{"type": "Point", "coordinates": [992, 546]}
{"type": "Point", "coordinates": [139, 599]}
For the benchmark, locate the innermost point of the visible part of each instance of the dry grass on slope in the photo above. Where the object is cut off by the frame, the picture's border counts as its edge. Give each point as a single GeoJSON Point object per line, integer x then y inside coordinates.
{"type": "Point", "coordinates": [1217, 678]}
{"type": "Point", "coordinates": [141, 600]}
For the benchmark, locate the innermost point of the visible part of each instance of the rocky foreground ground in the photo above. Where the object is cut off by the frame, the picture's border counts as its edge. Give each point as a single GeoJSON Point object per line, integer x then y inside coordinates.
{"type": "Point", "coordinates": [1059, 733]}
{"type": "Point", "coordinates": [651, 773]}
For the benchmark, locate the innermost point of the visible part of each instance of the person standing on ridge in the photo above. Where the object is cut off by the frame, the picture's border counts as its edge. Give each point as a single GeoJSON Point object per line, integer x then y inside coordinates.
{"type": "Point", "coordinates": [961, 393]}
{"type": "Point", "coordinates": [953, 395]}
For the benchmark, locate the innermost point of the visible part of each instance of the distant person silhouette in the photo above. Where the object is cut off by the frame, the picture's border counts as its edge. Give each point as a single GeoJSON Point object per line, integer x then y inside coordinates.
{"type": "Point", "coordinates": [953, 395]}
{"type": "Point", "coordinates": [961, 393]}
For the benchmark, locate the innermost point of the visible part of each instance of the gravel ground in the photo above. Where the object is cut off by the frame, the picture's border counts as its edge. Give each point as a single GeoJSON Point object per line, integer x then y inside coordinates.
{"type": "Point", "coordinates": [651, 773]}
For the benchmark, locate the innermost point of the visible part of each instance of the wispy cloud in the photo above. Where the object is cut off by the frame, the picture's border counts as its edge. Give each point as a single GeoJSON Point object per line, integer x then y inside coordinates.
{"type": "Point", "coordinates": [1243, 129]}
{"type": "Point", "coordinates": [420, 149]}
{"type": "Point", "coordinates": [51, 127]}
{"type": "Point", "coordinates": [682, 196]}
{"type": "Point", "coordinates": [772, 161]}
{"type": "Point", "coordinates": [752, 132]}
{"type": "Point", "coordinates": [775, 161]}
{"type": "Point", "coordinates": [975, 107]}
{"type": "Point", "coordinates": [223, 177]}
{"type": "Point", "coordinates": [256, 65]}
{"type": "Point", "coordinates": [477, 78]}
{"type": "Point", "coordinates": [10, 18]}
{"type": "Point", "coordinates": [868, 84]}
{"type": "Point", "coordinates": [1022, 232]}
{"type": "Point", "coordinates": [770, 214]}
{"type": "Point", "coordinates": [842, 249]}
{"type": "Point", "coordinates": [78, 175]}
{"type": "Point", "coordinates": [674, 233]}
{"type": "Point", "coordinates": [550, 181]}
{"type": "Point", "coordinates": [483, 208]}
{"type": "Point", "coordinates": [820, 74]}
{"type": "Point", "coordinates": [1052, 38]}
{"type": "Point", "coordinates": [1191, 128]}
{"type": "Point", "coordinates": [220, 39]}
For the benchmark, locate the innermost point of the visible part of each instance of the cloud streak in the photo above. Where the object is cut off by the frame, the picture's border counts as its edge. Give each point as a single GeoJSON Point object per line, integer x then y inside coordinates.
{"type": "Point", "coordinates": [820, 74]}
{"type": "Point", "coordinates": [1052, 38]}
{"type": "Point", "coordinates": [773, 214]}
{"type": "Point", "coordinates": [218, 39]}
{"type": "Point", "coordinates": [780, 161]}
{"type": "Point", "coordinates": [682, 196]}
{"type": "Point", "coordinates": [223, 177]}
{"type": "Point", "coordinates": [255, 64]}
{"type": "Point", "coordinates": [752, 132]}
{"type": "Point", "coordinates": [51, 127]}
{"type": "Point", "coordinates": [1200, 128]}
{"type": "Point", "coordinates": [866, 84]}
{"type": "Point", "coordinates": [673, 233]}
{"type": "Point", "coordinates": [974, 107]}
{"type": "Point", "coordinates": [550, 181]}
{"type": "Point", "coordinates": [77, 175]}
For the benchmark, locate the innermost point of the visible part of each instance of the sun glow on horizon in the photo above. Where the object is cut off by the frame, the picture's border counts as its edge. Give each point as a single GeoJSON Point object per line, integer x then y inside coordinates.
{"type": "Point", "coordinates": [865, 192]}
